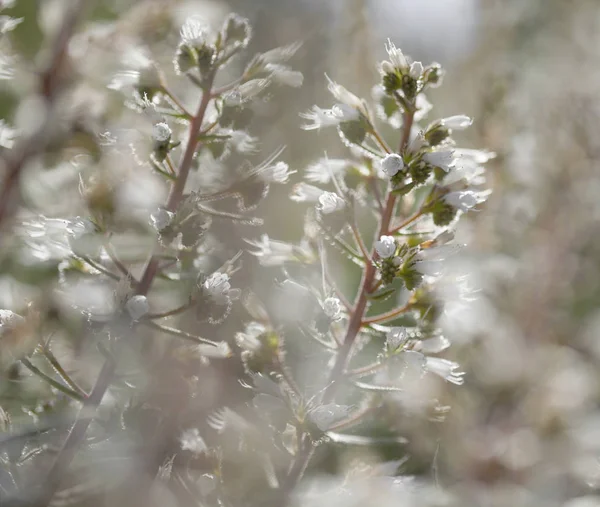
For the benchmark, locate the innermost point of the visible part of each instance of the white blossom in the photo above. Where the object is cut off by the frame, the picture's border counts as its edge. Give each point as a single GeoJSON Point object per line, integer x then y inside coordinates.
{"type": "Point", "coordinates": [319, 118]}
{"type": "Point", "coordinates": [303, 192]}
{"type": "Point", "coordinates": [194, 31]}
{"type": "Point", "coordinates": [444, 159]}
{"type": "Point", "coordinates": [161, 218]}
{"type": "Point", "coordinates": [217, 286]}
{"type": "Point", "coordinates": [396, 56]}
{"type": "Point", "coordinates": [416, 70]}
{"type": "Point", "coordinates": [344, 96]}
{"type": "Point", "coordinates": [192, 441]}
{"type": "Point", "coordinates": [385, 247]}
{"type": "Point", "coordinates": [392, 164]}
{"type": "Point", "coordinates": [464, 200]}
{"type": "Point", "coordinates": [284, 75]}
{"type": "Point", "coordinates": [137, 306]}
{"type": "Point", "coordinates": [248, 340]}
{"type": "Point", "coordinates": [271, 252]}
{"type": "Point", "coordinates": [276, 173]}
{"type": "Point", "coordinates": [330, 202]}
{"type": "Point", "coordinates": [219, 351]}
{"type": "Point", "coordinates": [459, 122]}
{"type": "Point", "coordinates": [323, 169]}
{"type": "Point", "coordinates": [433, 345]}
{"type": "Point", "coordinates": [332, 308]}
{"type": "Point", "coordinates": [396, 337]}
{"type": "Point", "coordinates": [161, 133]}
{"type": "Point", "coordinates": [445, 369]}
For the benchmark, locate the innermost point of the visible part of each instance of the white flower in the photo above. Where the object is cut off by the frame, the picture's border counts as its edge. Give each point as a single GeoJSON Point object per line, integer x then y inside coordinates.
{"type": "Point", "coordinates": [217, 286]}
{"type": "Point", "coordinates": [7, 135]}
{"type": "Point", "coordinates": [443, 159]}
{"type": "Point", "coordinates": [9, 321]}
{"type": "Point", "coordinates": [396, 56]}
{"type": "Point", "coordinates": [330, 202]}
{"type": "Point", "coordinates": [385, 247]}
{"type": "Point", "coordinates": [284, 75]}
{"type": "Point", "coordinates": [332, 308]}
{"type": "Point", "coordinates": [416, 70]}
{"type": "Point", "coordinates": [219, 351]}
{"type": "Point", "coordinates": [459, 122]}
{"type": "Point", "coordinates": [270, 252]}
{"type": "Point", "coordinates": [79, 227]}
{"type": "Point", "coordinates": [445, 369]}
{"type": "Point", "coordinates": [433, 345]}
{"type": "Point", "coordinates": [248, 340]}
{"type": "Point", "coordinates": [276, 173]}
{"type": "Point", "coordinates": [194, 31]}
{"type": "Point", "coordinates": [161, 218]}
{"type": "Point", "coordinates": [252, 88]}
{"type": "Point", "coordinates": [192, 441]}
{"type": "Point", "coordinates": [243, 142]}
{"type": "Point", "coordinates": [161, 133]}
{"type": "Point", "coordinates": [304, 192]}
{"type": "Point", "coordinates": [396, 337]}
{"type": "Point", "coordinates": [137, 307]}
{"type": "Point", "coordinates": [323, 169]}
{"type": "Point", "coordinates": [342, 95]}
{"type": "Point", "coordinates": [392, 164]}
{"type": "Point", "coordinates": [319, 118]}
{"type": "Point", "coordinates": [344, 113]}
{"type": "Point", "coordinates": [464, 200]}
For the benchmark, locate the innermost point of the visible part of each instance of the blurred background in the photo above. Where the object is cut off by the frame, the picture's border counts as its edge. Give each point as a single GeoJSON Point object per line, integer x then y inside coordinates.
{"type": "Point", "coordinates": [524, 429]}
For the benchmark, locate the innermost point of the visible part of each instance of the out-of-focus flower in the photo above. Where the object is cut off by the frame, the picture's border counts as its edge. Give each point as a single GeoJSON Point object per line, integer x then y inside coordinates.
{"type": "Point", "coordinates": [219, 289]}
{"type": "Point", "coordinates": [464, 200]}
{"type": "Point", "coordinates": [192, 441]}
{"type": "Point", "coordinates": [330, 202]}
{"type": "Point", "coordinates": [458, 122]}
{"type": "Point", "coordinates": [323, 169]}
{"type": "Point", "coordinates": [396, 337]}
{"type": "Point", "coordinates": [304, 192]}
{"type": "Point", "coordinates": [332, 308]}
{"type": "Point", "coordinates": [137, 306]}
{"type": "Point", "coordinates": [248, 340]}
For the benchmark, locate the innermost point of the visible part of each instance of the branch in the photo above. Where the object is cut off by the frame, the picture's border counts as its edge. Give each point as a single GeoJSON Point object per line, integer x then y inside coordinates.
{"type": "Point", "coordinates": [49, 84]}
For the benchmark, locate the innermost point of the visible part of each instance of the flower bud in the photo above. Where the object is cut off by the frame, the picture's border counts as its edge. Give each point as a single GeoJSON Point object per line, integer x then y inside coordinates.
{"type": "Point", "coordinates": [137, 307]}
{"type": "Point", "coordinates": [385, 247]}
{"type": "Point", "coordinates": [392, 164]}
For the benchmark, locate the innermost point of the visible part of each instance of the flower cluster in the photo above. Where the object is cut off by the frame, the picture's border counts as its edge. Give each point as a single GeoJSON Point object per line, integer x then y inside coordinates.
{"type": "Point", "coordinates": [142, 270]}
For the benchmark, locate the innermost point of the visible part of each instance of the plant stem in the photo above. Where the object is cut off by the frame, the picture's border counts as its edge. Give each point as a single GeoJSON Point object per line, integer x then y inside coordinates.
{"type": "Point", "coordinates": [54, 383]}
{"type": "Point", "coordinates": [354, 326]}
{"type": "Point", "coordinates": [79, 429]}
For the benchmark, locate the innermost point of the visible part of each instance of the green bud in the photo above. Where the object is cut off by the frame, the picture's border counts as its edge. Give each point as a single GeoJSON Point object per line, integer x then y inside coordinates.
{"type": "Point", "coordinates": [391, 82]}
{"type": "Point", "coordinates": [433, 75]}
{"type": "Point", "coordinates": [436, 135]}
{"type": "Point", "coordinates": [410, 276]}
{"type": "Point", "coordinates": [420, 171]}
{"type": "Point", "coordinates": [206, 58]}
{"type": "Point", "coordinates": [186, 59]}
{"type": "Point", "coordinates": [409, 87]}
{"type": "Point", "coordinates": [388, 270]}
{"type": "Point", "coordinates": [443, 213]}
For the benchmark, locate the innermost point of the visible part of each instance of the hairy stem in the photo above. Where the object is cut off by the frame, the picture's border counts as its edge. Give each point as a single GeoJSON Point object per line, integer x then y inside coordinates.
{"type": "Point", "coordinates": [79, 429]}
{"type": "Point", "coordinates": [354, 326]}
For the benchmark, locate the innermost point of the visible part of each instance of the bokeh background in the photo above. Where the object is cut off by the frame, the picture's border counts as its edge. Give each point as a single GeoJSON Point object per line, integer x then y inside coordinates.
{"type": "Point", "coordinates": [524, 429]}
